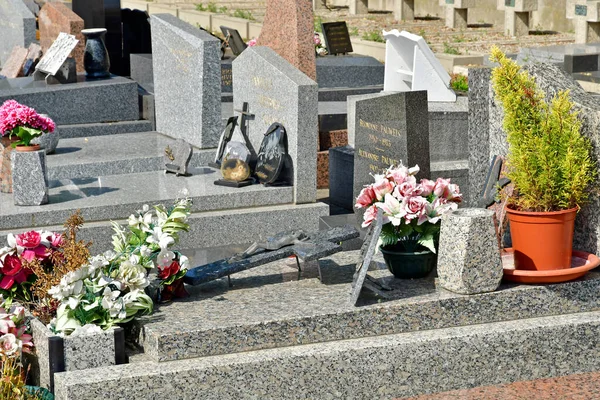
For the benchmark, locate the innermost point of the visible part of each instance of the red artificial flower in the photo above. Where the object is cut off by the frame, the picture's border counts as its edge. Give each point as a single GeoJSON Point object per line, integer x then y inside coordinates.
{"type": "Point", "coordinates": [12, 272]}
{"type": "Point", "coordinates": [29, 240]}
{"type": "Point", "coordinates": [168, 271]}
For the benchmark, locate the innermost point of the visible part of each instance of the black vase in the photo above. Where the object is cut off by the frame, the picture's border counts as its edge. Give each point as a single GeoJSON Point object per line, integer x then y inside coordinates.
{"type": "Point", "coordinates": [405, 265]}
{"type": "Point", "coordinates": [95, 59]}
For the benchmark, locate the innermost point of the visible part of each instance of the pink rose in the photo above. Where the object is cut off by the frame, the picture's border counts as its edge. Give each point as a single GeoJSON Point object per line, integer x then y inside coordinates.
{"type": "Point", "coordinates": [440, 186]}
{"type": "Point", "coordinates": [39, 252]}
{"type": "Point", "coordinates": [427, 187]}
{"type": "Point", "coordinates": [382, 187]}
{"type": "Point", "coordinates": [29, 240]}
{"type": "Point", "coordinates": [252, 42]}
{"type": "Point", "coordinates": [408, 187]}
{"type": "Point", "coordinates": [414, 207]}
{"type": "Point", "coordinates": [452, 193]}
{"type": "Point", "coordinates": [56, 240]}
{"type": "Point", "coordinates": [370, 216]}
{"type": "Point", "coordinates": [397, 174]}
{"type": "Point", "coordinates": [365, 198]}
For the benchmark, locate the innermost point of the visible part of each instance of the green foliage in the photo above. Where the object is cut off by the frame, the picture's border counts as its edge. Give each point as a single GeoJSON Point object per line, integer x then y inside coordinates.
{"type": "Point", "coordinates": [410, 237]}
{"type": "Point", "coordinates": [448, 49]}
{"type": "Point", "coordinates": [549, 160]}
{"type": "Point", "coordinates": [212, 7]}
{"type": "Point", "coordinates": [317, 23]}
{"type": "Point", "coordinates": [201, 7]}
{"type": "Point", "coordinates": [244, 14]}
{"type": "Point", "coordinates": [222, 10]}
{"type": "Point", "coordinates": [353, 31]}
{"type": "Point", "coordinates": [459, 82]}
{"type": "Point", "coordinates": [373, 36]}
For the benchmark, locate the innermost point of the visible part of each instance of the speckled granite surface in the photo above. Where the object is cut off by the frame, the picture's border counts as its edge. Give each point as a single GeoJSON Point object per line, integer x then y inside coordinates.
{"type": "Point", "coordinates": [382, 367]}
{"type": "Point", "coordinates": [571, 387]}
{"type": "Point", "coordinates": [268, 307]}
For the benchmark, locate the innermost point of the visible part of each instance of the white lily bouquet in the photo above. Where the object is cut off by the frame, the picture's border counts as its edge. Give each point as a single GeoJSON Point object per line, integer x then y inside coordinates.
{"type": "Point", "coordinates": [109, 289]}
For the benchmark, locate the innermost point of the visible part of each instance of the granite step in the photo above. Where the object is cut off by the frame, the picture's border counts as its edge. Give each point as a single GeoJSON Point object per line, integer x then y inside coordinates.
{"type": "Point", "coordinates": [380, 367]}
{"type": "Point", "coordinates": [270, 307]}
{"type": "Point", "coordinates": [125, 153]}
{"type": "Point", "coordinates": [103, 128]}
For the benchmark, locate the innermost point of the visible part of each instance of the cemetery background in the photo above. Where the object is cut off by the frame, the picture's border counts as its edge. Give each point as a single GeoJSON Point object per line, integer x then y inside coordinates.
{"type": "Point", "coordinates": [254, 329]}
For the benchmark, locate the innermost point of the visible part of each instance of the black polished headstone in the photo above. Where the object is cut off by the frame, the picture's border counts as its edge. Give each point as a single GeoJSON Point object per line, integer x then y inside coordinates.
{"type": "Point", "coordinates": [234, 39]}
{"type": "Point", "coordinates": [337, 37]}
{"type": "Point", "coordinates": [105, 14]}
{"type": "Point", "coordinates": [136, 35]}
{"type": "Point", "coordinates": [272, 153]}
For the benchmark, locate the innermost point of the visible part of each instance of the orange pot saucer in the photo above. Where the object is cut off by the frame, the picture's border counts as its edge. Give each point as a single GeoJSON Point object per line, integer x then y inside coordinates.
{"type": "Point", "coordinates": [581, 263]}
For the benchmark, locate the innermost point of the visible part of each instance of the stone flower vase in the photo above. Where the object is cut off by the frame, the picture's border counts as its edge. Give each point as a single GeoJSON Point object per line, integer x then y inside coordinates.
{"type": "Point", "coordinates": [29, 176]}
{"type": "Point", "coordinates": [95, 59]}
{"type": "Point", "coordinates": [469, 254]}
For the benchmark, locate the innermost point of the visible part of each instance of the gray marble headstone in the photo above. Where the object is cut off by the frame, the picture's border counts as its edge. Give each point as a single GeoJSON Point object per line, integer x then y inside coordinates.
{"type": "Point", "coordinates": [30, 179]}
{"type": "Point", "coordinates": [276, 91]}
{"type": "Point", "coordinates": [177, 157]}
{"type": "Point", "coordinates": [386, 129]}
{"type": "Point", "coordinates": [17, 27]}
{"type": "Point", "coordinates": [187, 81]}
{"type": "Point", "coordinates": [366, 255]}
{"type": "Point", "coordinates": [57, 54]}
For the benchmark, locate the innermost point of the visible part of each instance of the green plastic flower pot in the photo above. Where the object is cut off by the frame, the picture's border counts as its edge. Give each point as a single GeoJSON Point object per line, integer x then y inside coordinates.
{"type": "Point", "coordinates": [40, 392]}
{"type": "Point", "coordinates": [405, 265]}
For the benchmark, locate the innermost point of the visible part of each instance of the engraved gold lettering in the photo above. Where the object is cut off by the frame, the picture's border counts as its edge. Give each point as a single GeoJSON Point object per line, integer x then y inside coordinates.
{"type": "Point", "coordinates": [379, 128]}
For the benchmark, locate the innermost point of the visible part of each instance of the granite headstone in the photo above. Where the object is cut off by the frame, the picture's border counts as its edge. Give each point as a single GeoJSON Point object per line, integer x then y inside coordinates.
{"type": "Point", "coordinates": [288, 29]}
{"type": "Point", "coordinates": [17, 27]}
{"type": "Point", "coordinates": [387, 129]}
{"type": "Point", "coordinates": [337, 37]}
{"type": "Point", "coordinates": [278, 92]}
{"type": "Point", "coordinates": [105, 14]}
{"type": "Point", "coordinates": [55, 18]}
{"type": "Point", "coordinates": [13, 67]}
{"type": "Point", "coordinates": [187, 81]}
{"type": "Point", "coordinates": [57, 54]}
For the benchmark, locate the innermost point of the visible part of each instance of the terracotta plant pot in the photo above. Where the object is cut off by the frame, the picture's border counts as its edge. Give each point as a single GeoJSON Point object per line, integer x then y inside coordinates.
{"type": "Point", "coordinates": [24, 149]}
{"type": "Point", "coordinates": [542, 241]}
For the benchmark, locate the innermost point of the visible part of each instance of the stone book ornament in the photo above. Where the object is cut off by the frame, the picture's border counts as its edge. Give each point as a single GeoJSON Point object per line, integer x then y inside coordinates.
{"type": "Point", "coordinates": [177, 157]}
{"type": "Point", "coordinates": [273, 156]}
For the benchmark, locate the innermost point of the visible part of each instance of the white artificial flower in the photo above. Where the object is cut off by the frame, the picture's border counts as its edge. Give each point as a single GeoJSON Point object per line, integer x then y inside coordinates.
{"type": "Point", "coordinates": [9, 344]}
{"type": "Point", "coordinates": [110, 301]}
{"type": "Point", "coordinates": [414, 170]}
{"type": "Point", "coordinates": [162, 239]}
{"type": "Point", "coordinates": [12, 240]}
{"type": "Point", "coordinates": [132, 275]}
{"type": "Point", "coordinates": [184, 262]}
{"type": "Point", "coordinates": [88, 329]}
{"type": "Point", "coordinates": [145, 251]}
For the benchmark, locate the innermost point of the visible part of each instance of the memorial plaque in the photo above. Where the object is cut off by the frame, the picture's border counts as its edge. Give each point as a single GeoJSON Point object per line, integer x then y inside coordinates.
{"type": "Point", "coordinates": [388, 129]}
{"type": "Point", "coordinates": [57, 54]}
{"type": "Point", "coordinates": [226, 76]}
{"type": "Point", "coordinates": [272, 154]}
{"type": "Point", "coordinates": [234, 40]}
{"type": "Point", "coordinates": [177, 157]}
{"type": "Point", "coordinates": [366, 255]}
{"type": "Point", "coordinates": [337, 38]}
{"type": "Point", "coordinates": [449, 1]}
{"type": "Point", "coordinates": [509, 3]}
{"type": "Point", "coordinates": [581, 10]}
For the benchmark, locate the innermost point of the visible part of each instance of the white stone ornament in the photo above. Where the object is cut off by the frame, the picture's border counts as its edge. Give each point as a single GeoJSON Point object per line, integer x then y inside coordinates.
{"type": "Point", "coordinates": [410, 65]}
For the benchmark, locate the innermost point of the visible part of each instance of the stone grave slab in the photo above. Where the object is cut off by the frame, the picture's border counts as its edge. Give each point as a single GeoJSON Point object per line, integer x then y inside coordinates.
{"type": "Point", "coordinates": [516, 15]}
{"type": "Point", "coordinates": [349, 71]}
{"type": "Point", "coordinates": [411, 65]}
{"type": "Point", "coordinates": [13, 67]}
{"type": "Point", "coordinates": [17, 27]}
{"type": "Point", "coordinates": [187, 81]}
{"type": "Point", "coordinates": [337, 37]}
{"type": "Point", "coordinates": [573, 57]}
{"type": "Point", "coordinates": [57, 54]}
{"type": "Point", "coordinates": [387, 129]}
{"type": "Point", "coordinates": [288, 29]}
{"type": "Point", "coordinates": [55, 18]}
{"type": "Point", "coordinates": [278, 92]}
{"type": "Point", "coordinates": [105, 14]}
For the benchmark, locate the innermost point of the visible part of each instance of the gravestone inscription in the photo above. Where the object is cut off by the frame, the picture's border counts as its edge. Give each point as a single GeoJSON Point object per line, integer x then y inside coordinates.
{"type": "Point", "coordinates": [57, 54]}
{"type": "Point", "coordinates": [276, 91]}
{"type": "Point", "coordinates": [337, 37]}
{"type": "Point", "coordinates": [388, 129]}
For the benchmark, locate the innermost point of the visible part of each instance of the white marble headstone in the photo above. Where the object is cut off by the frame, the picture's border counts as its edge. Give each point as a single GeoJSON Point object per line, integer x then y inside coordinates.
{"type": "Point", "coordinates": [57, 54]}
{"type": "Point", "coordinates": [411, 65]}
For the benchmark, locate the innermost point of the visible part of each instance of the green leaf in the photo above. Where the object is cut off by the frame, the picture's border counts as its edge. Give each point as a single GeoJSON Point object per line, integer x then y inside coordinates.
{"type": "Point", "coordinates": [388, 236]}
{"type": "Point", "coordinates": [427, 241]}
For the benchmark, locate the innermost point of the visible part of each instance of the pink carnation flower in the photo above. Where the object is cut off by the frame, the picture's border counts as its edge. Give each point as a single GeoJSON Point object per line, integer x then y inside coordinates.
{"type": "Point", "coordinates": [14, 115]}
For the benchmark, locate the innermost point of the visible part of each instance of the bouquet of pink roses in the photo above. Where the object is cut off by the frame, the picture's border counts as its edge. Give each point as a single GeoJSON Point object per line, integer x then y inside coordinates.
{"type": "Point", "coordinates": [15, 278]}
{"type": "Point", "coordinates": [411, 211]}
{"type": "Point", "coordinates": [24, 122]}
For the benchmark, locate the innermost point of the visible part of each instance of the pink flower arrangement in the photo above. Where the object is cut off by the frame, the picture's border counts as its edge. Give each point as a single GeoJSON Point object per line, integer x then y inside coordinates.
{"type": "Point", "coordinates": [13, 332]}
{"type": "Point", "coordinates": [411, 210]}
{"type": "Point", "coordinates": [251, 42]}
{"type": "Point", "coordinates": [14, 277]}
{"type": "Point", "coordinates": [22, 121]}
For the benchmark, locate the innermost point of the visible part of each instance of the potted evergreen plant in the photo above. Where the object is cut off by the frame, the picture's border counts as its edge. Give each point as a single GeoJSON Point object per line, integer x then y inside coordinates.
{"type": "Point", "coordinates": [549, 164]}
